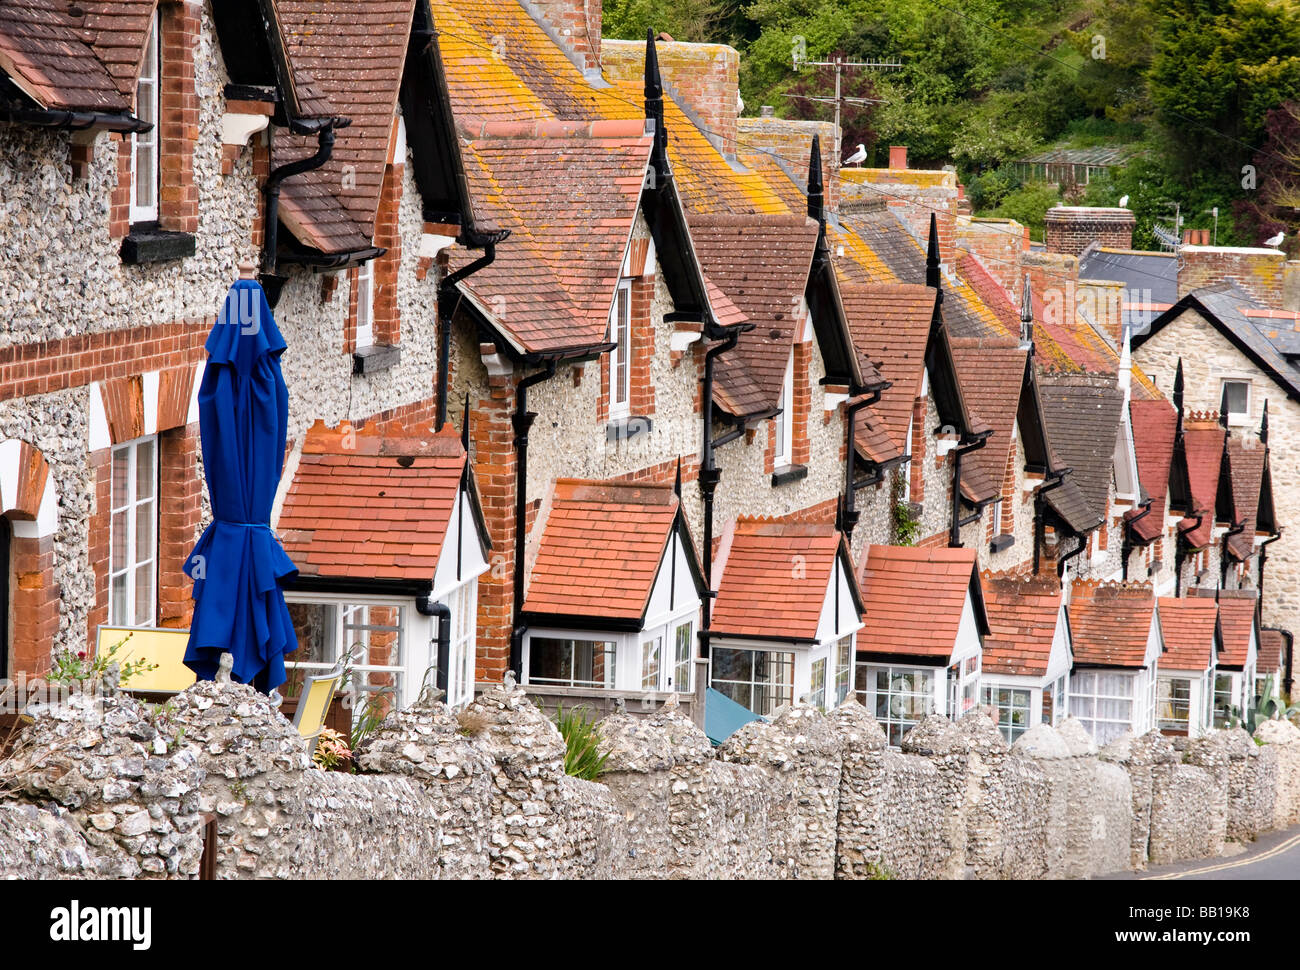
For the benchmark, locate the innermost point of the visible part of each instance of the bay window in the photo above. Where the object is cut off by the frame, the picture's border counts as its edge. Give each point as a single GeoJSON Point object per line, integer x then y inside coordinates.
{"type": "Point", "coordinates": [761, 680]}
{"type": "Point", "coordinates": [567, 662]}
{"type": "Point", "coordinates": [370, 637]}
{"type": "Point", "coordinates": [899, 697]}
{"type": "Point", "coordinates": [133, 534]}
{"type": "Point", "coordinates": [1014, 707]}
{"type": "Point", "coordinates": [1174, 704]}
{"type": "Point", "coordinates": [1110, 703]}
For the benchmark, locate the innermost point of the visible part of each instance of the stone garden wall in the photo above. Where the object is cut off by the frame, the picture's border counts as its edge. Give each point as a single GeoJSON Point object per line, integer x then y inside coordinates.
{"type": "Point", "coordinates": [110, 788]}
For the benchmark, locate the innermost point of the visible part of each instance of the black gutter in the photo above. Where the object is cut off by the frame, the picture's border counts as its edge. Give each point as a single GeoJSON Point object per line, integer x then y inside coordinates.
{"type": "Point", "coordinates": [954, 531]}
{"type": "Point", "coordinates": [1055, 479]}
{"type": "Point", "coordinates": [849, 514]}
{"type": "Point", "coordinates": [1060, 563]}
{"type": "Point", "coordinates": [521, 421]}
{"type": "Point", "coordinates": [761, 637]}
{"type": "Point", "coordinates": [1180, 553]}
{"type": "Point", "coordinates": [74, 120]}
{"type": "Point", "coordinates": [1234, 530]}
{"type": "Point", "coordinates": [710, 476]}
{"type": "Point", "coordinates": [325, 262]}
{"type": "Point", "coordinates": [271, 219]}
{"type": "Point", "coordinates": [1263, 558]}
{"type": "Point", "coordinates": [442, 611]}
{"type": "Point", "coordinates": [1126, 546]}
{"type": "Point", "coordinates": [448, 297]}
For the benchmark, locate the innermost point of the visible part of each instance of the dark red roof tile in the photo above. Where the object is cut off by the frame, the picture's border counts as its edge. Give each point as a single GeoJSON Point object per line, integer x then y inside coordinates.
{"type": "Point", "coordinates": [1023, 615]}
{"type": "Point", "coordinates": [913, 599]}
{"type": "Point", "coordinates": [1110, 623]}
{"type": "Point", "coordinates": [1189, 625]}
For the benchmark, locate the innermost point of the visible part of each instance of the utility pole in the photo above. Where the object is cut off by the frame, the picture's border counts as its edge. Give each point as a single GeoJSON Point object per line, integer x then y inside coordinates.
{"type": "Point", "coordinates": [839, 100]}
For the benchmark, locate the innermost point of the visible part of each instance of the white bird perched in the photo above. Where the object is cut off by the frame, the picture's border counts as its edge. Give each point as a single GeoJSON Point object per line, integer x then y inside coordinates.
{"type": "Point", "coordinates": [1275, 241]}
{"type": "Point", "coordinates": [1123, 202]}
{"type": "Point", "coordinates": [858, 157]}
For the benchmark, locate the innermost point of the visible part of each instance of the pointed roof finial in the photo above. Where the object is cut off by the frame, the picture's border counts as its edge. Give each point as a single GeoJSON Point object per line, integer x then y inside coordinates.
{"type": "Point", "coordinates": [677, 484]}
{"type": "Point", "coordinates": [816, 201]}
{"type": "Point", "coordinates": [464, 428]}
{"type": "Point", "coordinates": [1027, 314]}
{"type": "Point", "coordinates": [1263, 424]}
{"type": "Point", "coordinates": [1178, 387]}
{"type": "Point", "coordinates": [932, 255]}
{"type": "Point", "coordinates": [1223, 408]}
{"type": "Point", "coordinates": [654, 105]}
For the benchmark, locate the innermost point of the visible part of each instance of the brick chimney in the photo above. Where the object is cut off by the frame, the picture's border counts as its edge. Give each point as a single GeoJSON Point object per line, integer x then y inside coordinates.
{"type": "Point", "coordinates": [998, 243]}
{"type": "Point", "coordinates": [1054, 279]}
{"type": "Point", "coordinates": [1071, 229]}
{"type": "Point", "coordinates": [789, 141]}
{"type": "Point", "coordinates": [703, 78]}
{"type": "Point", "coordinates": [577, 24]}
{"type": "Point", "coordinates": [1102, 301]}
{"type": "Point", "coordinates": [1260, 273]}
{"type": "Point", "coordinates": [914, 193]}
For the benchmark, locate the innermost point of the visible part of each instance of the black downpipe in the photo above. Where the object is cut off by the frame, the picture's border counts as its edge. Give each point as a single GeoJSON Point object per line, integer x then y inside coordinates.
{"type": "Point", "coordinates": [1235, 530]}
{"type": "Point", "coordinates": [1126, 547]}
{"type": "Point", "coordinates": [1061, 563]}
{"type": "Point", "coordinates": [425, 607]}
{"type": "Point", "coordinates": [709, 477]}
{"type": "Point", "coordinates": [325, 148]}
{"type": "Point", "coordinates": [954, 531]}
{"type": "Point", "coordinates": [522, 420]}
{"type": "Point", "coordinates": [447, 299]}
{"type": "Point", "coordinates": [1054, 480]}
{"type": "Point", "coordinates": [1263, 559]}
{"type": "Point", "coordinates": [849, 515]}
{"type": "Point", "coordinates": [1180, 554]}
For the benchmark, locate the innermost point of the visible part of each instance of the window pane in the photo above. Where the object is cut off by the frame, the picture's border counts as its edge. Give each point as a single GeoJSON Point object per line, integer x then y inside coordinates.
{"type": "Point", "coordinates": [121, 469]}
{"type": "Point", "coordinates": [650, 651]}
{"type": "Point", "coordinates": [144, 470]}
{"type": "Point", "coordinates": [573, 663]}
{"type": "Point", "coordinates": [1238, 395]}
{"type": "Point", "coordinates": [117, 557]}
{"type": "Point", "coordinates": [117, 601]}
{"type": "Point", "coordinates": [144, 595]}
{"type": "Point", "coordinates": [144, 533]}
{"type": "Point", "coordinates": [732, 664]}
{"type": "Point", "coordinates": [682, 659]}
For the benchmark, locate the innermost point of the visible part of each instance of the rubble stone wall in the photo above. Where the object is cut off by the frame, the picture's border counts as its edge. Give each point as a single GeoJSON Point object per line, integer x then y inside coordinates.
{"type": "Point", "coordinates": [108, 787]}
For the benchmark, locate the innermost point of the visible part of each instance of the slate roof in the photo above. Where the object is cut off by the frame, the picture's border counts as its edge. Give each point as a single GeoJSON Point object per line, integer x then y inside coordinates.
{"type": "Point", "coordinates": [1203, 447]}
{"type": "Point", "coordinates": [47, 53]}
{"type": "Point", "coordinates": [601, 548]}
{"type": "Point", "coordinates": [1155, 425]}
{"type": "Point", "coordinates": [1082, 413]}
{"type": "Point", "coordinates": [354, 53]}
{"type": "Point", "coordinates": [760, 590]}
{"type": "Point", "coordinates": [992, 373]}
{"type": "Point", "coordinates": [1190, 626]}
{"type": "Point", "coordinates": [1246, 467]}
{"type": "Point", "coordinates": [1110, 623]}
{"type": "Point", "coordinates": [901, 584]}
{"type": "Point", "coordinates": [366, 505]}
{"type": "Point", "coordinates": [569, 193]}
{"type": "Point", "coordinates": [1267, 338]}
{"type": "Point", "coordinates": [1272, 653]}
{"type": "Point", "coordinates": [1023, 614]}
{"type": "Point", "coordinates": [890, 326]}
{"type": "Point", "coordinates": [1236, 620]}
{"type": "Point", "coordinates": [1149, 278]}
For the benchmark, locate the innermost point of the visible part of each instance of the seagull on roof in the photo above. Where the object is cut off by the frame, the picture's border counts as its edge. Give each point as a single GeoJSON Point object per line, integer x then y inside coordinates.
{"type": "Point", "coordinates": [858, 157]}
{"type": "Point", "coordinates": [1123, 202]}
{"type": "Point", "coordinates": [1274, 241]}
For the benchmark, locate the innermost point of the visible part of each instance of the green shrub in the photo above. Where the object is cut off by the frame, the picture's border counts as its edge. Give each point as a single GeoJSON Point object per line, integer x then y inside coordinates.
{"type": "Point", "coordinates": [582, 757]}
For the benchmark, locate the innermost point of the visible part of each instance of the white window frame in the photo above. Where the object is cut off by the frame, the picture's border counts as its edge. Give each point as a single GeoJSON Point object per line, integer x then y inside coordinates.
{"type": "Point", "coordinates": [782, 693]}
{"type": "Point", "coordinates": [992, 695]}
{"type": "Point", "coordinates": [1188, 722]}
{"type": "Point", "coordinates": [620, 357]}
{"type": "Point", "coordinates": [896, 725]}
{"type": "Point", "coordinates": [1237, 418]}
{"type": "Point", "coordinates": [462, 655]}
{"type": "Point", "coordinates": [614, 651]}
{"type": "Point", "coordinates": [146, 109]}
{"type": "Point", "coordinates": [366, 304]}
{"type": "Point", "coordinates": [784, 419]}
{"type": "Point", "coordinates": [131, 509]}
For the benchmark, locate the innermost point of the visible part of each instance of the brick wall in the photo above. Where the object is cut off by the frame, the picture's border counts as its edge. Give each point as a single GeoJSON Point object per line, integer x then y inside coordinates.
{"type": "Point", "coordinates": [34, 604]}
{"type": "Point", "coordinates": [178, 128]}
{"type": "Point", "coordinates": [578, 22]}
{"type": "Point", "coordinates": [1054, 278]}
{"type": "Point", "coordinates": [1071, 229]}
{"type": "Point", "coordinates": [492, 448]}
{"type": "Point", "coordinates": [387, 317]}
{"type": "Point", "coordinates": [180, 515]}
{"type": "Point", "coordinates": [1259, 272]}
{"type": "Point", "coordinates": [998, 243]}
{"type": "Point", "coordinates": [704, 78]}
{"type": "Point", "coordinates": [801, 444]}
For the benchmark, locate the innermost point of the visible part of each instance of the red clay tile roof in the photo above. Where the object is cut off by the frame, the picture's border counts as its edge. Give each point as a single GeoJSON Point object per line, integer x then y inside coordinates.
{"type": "Point", "coordinates": [990, 292]}
{"type": "Point", "coordinates": [1023, 615]}
{"type": "Point", "coordinates": [1246, 465]}
{"type": "Point", "coordinates": [371, 506]}
{"type": "Point", "coordinates": [762, 264]}
{"type": "Point", "coordinates": [992, 374]}
{"type": "Point", "coordinates": [775, 578]}
{"type": "Point", "coordinates": [1189, 625]}
{"type": "Point", "coordinates": [569, 193]}
{"type": "Point", "coordinates": [1203, 446]}
{"type": "Point", "coordinates": [1110, 623]}
{"type": "Point", "coordinates": [46, 53]}
{"type": "Point", "coordinates": [913, 599]}
{"type": "Point", "coordinates": [872, 438]}
{"type": "Point", "coordinates": [1272, 649]}
{"type": "Point", "coordinates": [354, 52]}
{"type": "Point", "coordinates": [601, 548]}
{"type": "Point", "coordinates": [118, 31]}
{"type": "Point", "coordinates": [1236, 620]}
{"type": "Point", "coordinates": [1155, 424]}
{"type": "Point", "coordinates": [890, 326]}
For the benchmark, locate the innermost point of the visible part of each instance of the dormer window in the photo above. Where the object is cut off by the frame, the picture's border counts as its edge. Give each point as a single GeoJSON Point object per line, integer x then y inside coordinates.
{"type": "Point", "coordinates": [144, 145]}
{"type": "Point", "coordinates": [620, 358]}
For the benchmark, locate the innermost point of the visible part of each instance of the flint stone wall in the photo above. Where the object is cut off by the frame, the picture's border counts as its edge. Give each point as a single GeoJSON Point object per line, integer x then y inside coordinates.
{"type": "Point", "coordinates": [1284, 738]}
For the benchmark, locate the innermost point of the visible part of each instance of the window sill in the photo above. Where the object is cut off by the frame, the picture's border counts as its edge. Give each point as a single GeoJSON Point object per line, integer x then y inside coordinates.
{"type": "Point", "coordinates": [1004, 541]}
{"type": "Point", "coordinates": [147, 244]}
{"type": "Point", "coordinates": [788, 474]}
{"type": "Point", "coordinates": [625, 429]}
{"type": "Point", "coordinates": [375, 359]}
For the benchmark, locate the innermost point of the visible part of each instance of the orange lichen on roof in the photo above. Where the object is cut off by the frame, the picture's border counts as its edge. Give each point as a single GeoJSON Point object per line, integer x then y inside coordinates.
{"type": "Point", "coordinates": [366, 505]}
{"type": "Point", "coordinates": [1189, 624]}
{"type": "Point", "coordinates": [601, 548]}
{"type": "Point", "coordinates": [1111, 623]}
{"type": "Point", "coordinates": [1023, 617]}
{"type": "Point", "coordinates": [913, 599]}
{"type": "Point", "coordinates": [855, 260]}
{"type": "Point", "coordinates": [775, 579]}
{"type": "Point", "coordinates": [1237, 621]}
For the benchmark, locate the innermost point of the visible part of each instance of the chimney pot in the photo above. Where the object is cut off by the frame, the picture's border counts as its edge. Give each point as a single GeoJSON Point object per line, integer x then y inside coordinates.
{"type": "Point", "coordinates": [898, 156]}
{"type": "Point", "coordinates": [765, 111]}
